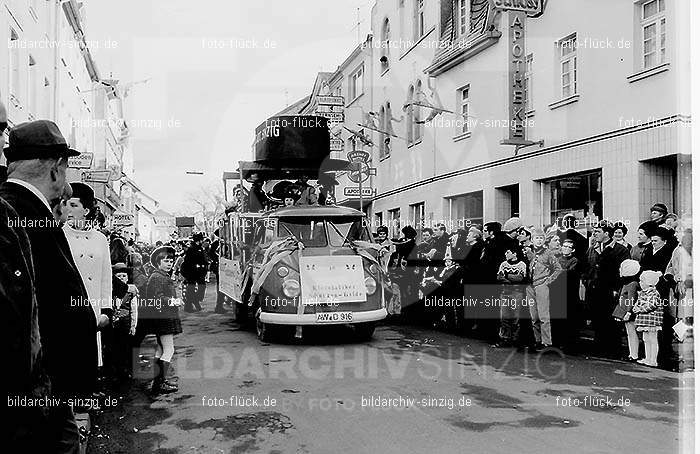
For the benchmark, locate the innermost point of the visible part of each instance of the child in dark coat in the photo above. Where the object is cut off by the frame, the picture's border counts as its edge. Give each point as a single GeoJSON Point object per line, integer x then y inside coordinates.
{"type": "Point", "coordinates": [629, 272]}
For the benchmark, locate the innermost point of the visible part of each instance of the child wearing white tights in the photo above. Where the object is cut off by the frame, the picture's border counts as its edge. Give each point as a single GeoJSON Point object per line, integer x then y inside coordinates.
{"type": "Point", "coordinates": [649, 311]}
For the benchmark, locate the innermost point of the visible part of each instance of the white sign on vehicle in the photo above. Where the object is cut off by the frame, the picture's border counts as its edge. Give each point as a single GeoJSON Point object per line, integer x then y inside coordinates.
{"type": "Point", "coordinates": [229, 278]}
{"type": "Point", "coordinates": [332, 279]}
{"type": "Point", "coordinates": [333, 317]}
{"type": "Point", "coordinates": [330, 100]}
{"type": "Point", "coordinates": [96, 176]}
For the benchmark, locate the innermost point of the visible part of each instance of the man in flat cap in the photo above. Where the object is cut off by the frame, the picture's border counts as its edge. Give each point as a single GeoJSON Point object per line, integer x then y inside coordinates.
{"type": "Point", "coordinates": [37, 161]}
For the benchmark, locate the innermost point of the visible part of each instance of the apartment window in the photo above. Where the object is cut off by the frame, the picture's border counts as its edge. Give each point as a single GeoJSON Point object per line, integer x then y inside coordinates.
{"type": "Point", "coordinates": [463, 15]}
{"type": "Point", "coordinates": [356, 83]}
{"type": "Point", "coordinates": [409, 114]}
{"type": "Point", "coordinates": [463, 107]}
{"type": "Point", "coordinates": [386, 34]}
{"type": "Point", "coordinates": [467, 210]}
{"type": "Point", "coordinates": [417, 215]}
{"type": "Point", "coordinates": [394, 222]}
{"type": "Point", "coordinates": [568, 65]}
{"type": "Point", "coordinates": [14, 64]}
{"type": "Point", "coordinates": [653, 33]}
{"type": "Point", "coordinates": [527, 83]}
{"type": "Point", "coordinates": [420, 19]}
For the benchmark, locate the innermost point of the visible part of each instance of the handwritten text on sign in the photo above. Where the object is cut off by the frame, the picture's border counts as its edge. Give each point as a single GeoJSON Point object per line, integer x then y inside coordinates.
{"type": "Point", "coordinates": [334, 279]}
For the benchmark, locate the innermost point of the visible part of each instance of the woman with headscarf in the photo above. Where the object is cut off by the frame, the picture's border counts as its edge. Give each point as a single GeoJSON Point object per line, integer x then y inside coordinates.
{"type": "Point", "coordinates": [91, 255]}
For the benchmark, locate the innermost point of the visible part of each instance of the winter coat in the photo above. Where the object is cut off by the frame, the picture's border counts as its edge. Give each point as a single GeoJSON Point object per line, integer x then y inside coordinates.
{"type": "Point", "coordinates": [195, 265]}
{"type": "Point", "coordinates": [67, 326]}
{"type": "Point", "coordinates": [638, 251]}
{"type": "Point", "coordinates": [628, 294]}
{"type": "Point", "coordinates": [20, 327]}
{"type": "Point", "coordinates": [156, 315]}
{"type": "Point", "coordinates": [649, 310]}
{"type": "Point", "coordinates": [603, 271]}
{"type": "Point", "coordinates": [92, 257]}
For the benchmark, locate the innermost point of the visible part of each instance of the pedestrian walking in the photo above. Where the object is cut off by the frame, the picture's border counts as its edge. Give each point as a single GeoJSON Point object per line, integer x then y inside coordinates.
{"type": "Point", "coordinates": [37, 160]}
{"type": "Point", "coordinates": [649, 316]}
{"type": "Point", "coordinates": [158, 314]}
{"type": "Point", "coordinates": [194, 270]}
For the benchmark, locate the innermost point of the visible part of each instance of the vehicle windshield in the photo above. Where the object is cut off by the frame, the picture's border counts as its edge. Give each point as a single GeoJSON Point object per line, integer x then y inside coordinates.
{"type": "Point", "coordinates": [311, 232]}
{"type": "Point", "coordinates": [346, 230]}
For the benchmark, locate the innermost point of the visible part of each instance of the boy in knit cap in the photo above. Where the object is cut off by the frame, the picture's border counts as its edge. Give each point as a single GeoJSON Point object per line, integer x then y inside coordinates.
{"type": "Point", "coordinates": [512, 273]}
{"type": "Point", "coordinates": [544, 269]}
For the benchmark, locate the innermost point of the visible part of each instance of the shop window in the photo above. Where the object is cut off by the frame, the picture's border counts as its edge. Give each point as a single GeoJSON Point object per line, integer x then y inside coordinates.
{"type": "Point", "coordinates": [395, 223]}
{"type": "Point", "coordinates": [467, 209]}
{"type": "Point", "coordinates": [581, 195]}
{"type": "Point", "coordinates": [417, 215]}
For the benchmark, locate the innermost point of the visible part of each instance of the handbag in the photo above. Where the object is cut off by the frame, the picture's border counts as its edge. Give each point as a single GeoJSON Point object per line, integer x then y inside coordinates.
{"type": "Point", "coordinates": [619, 312]}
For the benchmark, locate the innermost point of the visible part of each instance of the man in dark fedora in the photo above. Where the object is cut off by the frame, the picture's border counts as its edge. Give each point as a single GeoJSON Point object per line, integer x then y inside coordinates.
{"type": "Point", "coordinates": [20, 329]}
{"type": "Point", "coordinates": [37, 161]}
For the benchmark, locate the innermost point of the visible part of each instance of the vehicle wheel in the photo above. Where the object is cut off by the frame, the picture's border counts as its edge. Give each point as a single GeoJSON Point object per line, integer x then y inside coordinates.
{"type": "Point", "coordinates": [262, 330]}
{"type": "Point", "coordinates": [365, 331]}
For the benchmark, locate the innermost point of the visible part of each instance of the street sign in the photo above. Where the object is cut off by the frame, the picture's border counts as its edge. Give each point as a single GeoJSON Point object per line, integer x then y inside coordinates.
{"type": "Point", "coordinates": [354, 191]}
{"type": "Point", "coordinates": [82, 161]}
{"type": "Point", "coordinates": [122, 219]}
{"type": "Point", "coordinates": [530, 7]}
{"type": "Point", "coordinates": [329, 109]}
{"type": "Point", "coordinates": [361, 175]}
{"type": "Point", "coordinates": [336, 144]}
{"type": "Point", "coordinates": [332, 116]}
{"type": "Point", "coordinates": [330, 100]}
{"type": "Point", "coordinates": [95, 176]}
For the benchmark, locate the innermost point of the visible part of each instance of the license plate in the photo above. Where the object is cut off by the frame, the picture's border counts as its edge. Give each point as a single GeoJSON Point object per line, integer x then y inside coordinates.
{"type": "Point", "coordinates": [334, 317]}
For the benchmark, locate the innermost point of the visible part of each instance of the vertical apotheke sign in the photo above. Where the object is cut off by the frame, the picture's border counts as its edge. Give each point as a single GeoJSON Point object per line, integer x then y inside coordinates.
{"type": "Point", "coordinates": [516, 73]}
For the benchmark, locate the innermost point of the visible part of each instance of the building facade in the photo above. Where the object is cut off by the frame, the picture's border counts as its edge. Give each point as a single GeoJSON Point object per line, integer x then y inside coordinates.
{"type": "Point", "coordinates": [47, 71]}
{"type": "Point", "coordinates": [605, 109]}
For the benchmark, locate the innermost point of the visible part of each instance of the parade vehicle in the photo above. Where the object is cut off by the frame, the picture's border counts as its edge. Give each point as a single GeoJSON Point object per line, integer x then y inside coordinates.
{"type": "Point", "coordinates": [291, 267]}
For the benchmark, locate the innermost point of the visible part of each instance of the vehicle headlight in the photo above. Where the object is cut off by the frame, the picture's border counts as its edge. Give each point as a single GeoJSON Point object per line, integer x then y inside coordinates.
{"type": "Point", "coordinates": [282, 271]}
{"type": "Point", "coordinates": [373, 269]}
{"type": "Point", "coordinates": [291, 288]}
{"type": "Point", "coordinates": [370, 285]}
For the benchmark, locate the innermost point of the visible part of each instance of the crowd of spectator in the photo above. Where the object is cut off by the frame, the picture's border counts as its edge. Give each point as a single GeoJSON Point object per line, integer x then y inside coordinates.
{"type": "Point", "coordinates": [573, 286]}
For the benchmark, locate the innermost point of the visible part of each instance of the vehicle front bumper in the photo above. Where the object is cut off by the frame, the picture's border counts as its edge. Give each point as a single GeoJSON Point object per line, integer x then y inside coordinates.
{"type": "Point", "coordinates": [310, 319]}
